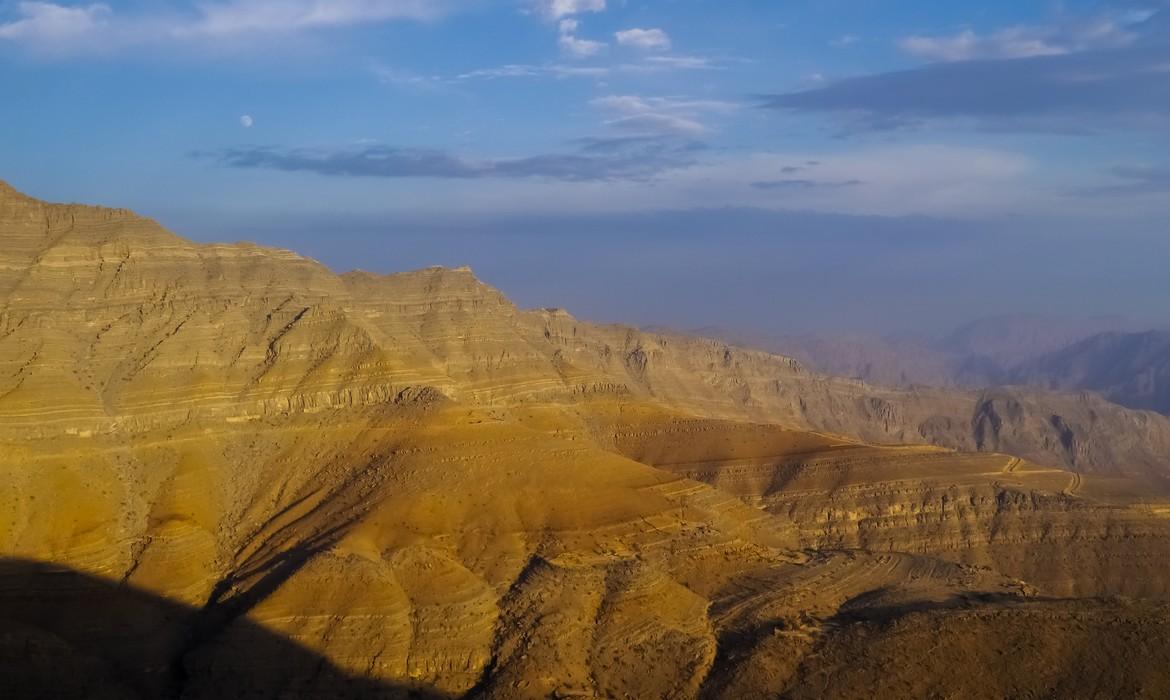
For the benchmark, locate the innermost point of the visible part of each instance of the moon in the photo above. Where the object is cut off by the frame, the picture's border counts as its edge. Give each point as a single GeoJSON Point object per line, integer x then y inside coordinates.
{"type": "Point", "coordinates": [247, 121]}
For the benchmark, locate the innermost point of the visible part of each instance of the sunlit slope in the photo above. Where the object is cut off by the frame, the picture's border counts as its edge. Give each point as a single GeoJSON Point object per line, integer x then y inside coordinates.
{"type": "Point", "coordinates": [1067, 533]}
{"type": "Point", "coordinates": [446, 548]}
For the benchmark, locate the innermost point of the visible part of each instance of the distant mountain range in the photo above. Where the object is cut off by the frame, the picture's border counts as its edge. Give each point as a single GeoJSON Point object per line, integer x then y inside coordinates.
{"type": "Point", "coordinates": [1132, 369]}
{"type": "Point", "coordinates": [1127, 363]}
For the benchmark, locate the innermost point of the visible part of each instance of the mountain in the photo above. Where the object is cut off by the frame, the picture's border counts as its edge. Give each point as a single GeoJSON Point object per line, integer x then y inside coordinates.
{"type": "Point", "coordinates": [1009, 340]}
{"type": "Point", "coordinates": [1132, 369]}
{"type": "Point", "coordinates": [1067, 354]}
{"type": "Point", "coordinates": [226, 471]}
{"type": "Point", "coordinates": [886, 361]}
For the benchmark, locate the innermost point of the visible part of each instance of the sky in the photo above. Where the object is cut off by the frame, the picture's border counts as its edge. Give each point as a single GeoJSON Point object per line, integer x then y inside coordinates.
{"type": "Point", "coordinates": [778, 166]}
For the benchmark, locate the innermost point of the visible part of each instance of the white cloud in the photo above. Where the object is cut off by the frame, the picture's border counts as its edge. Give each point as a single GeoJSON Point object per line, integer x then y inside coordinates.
{"type": "Point", "coordinates": [581, 48]}
{"type": "Point", "coordinates": [651, 65]}
{"type": "Point", "coordinates": [659, 123]}
{"type": "Point", "coordinates": [928, 180]}
{"type": "Point", "coordinates": [633, 103]}
{"type": "Point", "coordinates": [660, 115]}
{"type": "Point", "coordinates": [556, 9]}
{"type": "Point", "coordinates": [1020, 41]}
{"type": "Point", "coordinates": [646, 39]}
{"type": "Point", "coordinates": [967, 45]}
{"type": "Point", "coordinates": [574, 46]}
{"type": "Point", "coordinates": [682, 62]}
{"type": "Point", "coordinates": [511, 70]}
{"type": "Point", "coordinates": [58, 28]}
{"type": "Point", "coordinates": [279, 16]}
{"type": "Point", "coordinates": [389, 75]}
{"type": "Point", "coordinates": [46, 22]}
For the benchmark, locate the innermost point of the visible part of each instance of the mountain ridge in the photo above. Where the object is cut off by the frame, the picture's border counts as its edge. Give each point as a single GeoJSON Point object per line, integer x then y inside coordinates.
{"type": "Point", "coordinates": [300, 298]}
{"type": "Point", "coordinates": [1132, 369]}
{"type": "Point", "coordinates": [967, 359]}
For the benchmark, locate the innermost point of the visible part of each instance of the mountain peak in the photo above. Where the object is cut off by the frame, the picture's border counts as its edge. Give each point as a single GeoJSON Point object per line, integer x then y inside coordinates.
{"type": "Point", "coordinates": [7, 191]}
{"type": "Point", "coordinates": [444, 270]}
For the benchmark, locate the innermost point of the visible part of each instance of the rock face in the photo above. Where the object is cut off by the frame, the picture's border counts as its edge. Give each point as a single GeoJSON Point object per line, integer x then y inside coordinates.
{"type": "Point", "coordinates": [226, 471]}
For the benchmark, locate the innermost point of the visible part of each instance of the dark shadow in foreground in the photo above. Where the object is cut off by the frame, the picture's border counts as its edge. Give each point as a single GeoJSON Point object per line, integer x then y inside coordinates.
{"type": "Point", "coordinates": [64, 634]}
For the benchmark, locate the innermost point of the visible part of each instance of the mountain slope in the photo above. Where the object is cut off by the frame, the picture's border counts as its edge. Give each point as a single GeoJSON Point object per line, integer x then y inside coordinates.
{"type": "Point", "coordinates": [1132, 369]}
{"type": "Point", "coordinates": [1103, 355]}
{"type": "Point", "coordinates": [1008, 340]}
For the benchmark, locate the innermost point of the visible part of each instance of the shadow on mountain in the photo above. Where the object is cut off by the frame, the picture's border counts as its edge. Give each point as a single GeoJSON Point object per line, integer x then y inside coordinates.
{"type": "Point", "coordinates": [64, 634]}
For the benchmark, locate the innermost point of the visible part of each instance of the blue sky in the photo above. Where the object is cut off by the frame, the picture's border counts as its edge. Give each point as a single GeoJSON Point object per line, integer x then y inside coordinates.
{"type": "Point", "coordinates": [788, 165]}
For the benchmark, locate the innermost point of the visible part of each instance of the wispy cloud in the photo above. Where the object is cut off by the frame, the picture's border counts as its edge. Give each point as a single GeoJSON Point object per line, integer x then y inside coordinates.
{"type": "Point", "coordinates": [1075, 75]}
{"type": "Point", "coordinates": [67, 28]}
{"type": "Point", "coordinates": [1020, 42]}
{"type": "Point", "coordinates": [900, 180]}
{"type": "Point", "coordinates": [571, 44]}
{"type": "Point", "coordinates": [1074, 92]}
{"type": "Point", "coordinates": [597, 160]}
{"type": "Point", "coordinates": [398, 77]}
{"type": "Point", "coordinates": [809, 182]}
{"type": "Point", "coordinates": [645, 39]}
{"type": "Point", "coordinates": [630, 172]}
{"type": "Point", "coordinates": [556, 9]}
{"type": "Point", "coordinates": [46, 22]}
{"type": "Point", "coordinates": [967, 45]}
{"type": "Point", "coordinates": [682, 62]}
{"type": "Point", "coordinates": [1131, 180]}
{"type": "Point", "coordinates": [660, 115]}
{"type": "Point", "coordinates": [232, 17]}
{"type": "Point", "coordinates": [802, 184]}
{"type": "Point", "coordinates": [524, 70]}
{"type": "Point", "coordinates": [646, 66]}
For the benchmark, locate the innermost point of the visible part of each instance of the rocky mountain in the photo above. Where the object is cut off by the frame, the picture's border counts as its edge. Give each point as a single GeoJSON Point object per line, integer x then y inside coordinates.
{"type": "Point", "coordinates": [1006, 341]}
{"type": "Point", "coordinates": [1127, 367]}
{"type": "Point", "coordinates": [1132, 369]}
{"type": "Point", "coordinates": [886, 361]}
{"type": "Point", "coordinates": [226, 471]}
